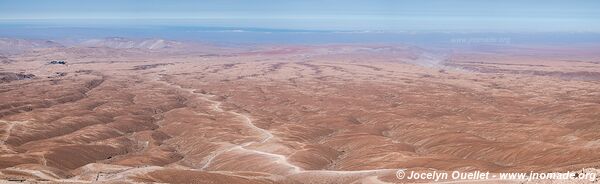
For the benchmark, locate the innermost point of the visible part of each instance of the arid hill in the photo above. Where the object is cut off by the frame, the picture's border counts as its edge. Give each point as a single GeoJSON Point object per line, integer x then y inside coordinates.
{"type": "Point", "coordinates": [294, 114]}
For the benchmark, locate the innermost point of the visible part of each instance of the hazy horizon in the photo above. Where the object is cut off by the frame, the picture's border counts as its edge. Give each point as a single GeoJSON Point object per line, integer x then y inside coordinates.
{"type": "Point", "coordinates": [354, 15]}
{"type": "Point", "coordinates": [299, 91]}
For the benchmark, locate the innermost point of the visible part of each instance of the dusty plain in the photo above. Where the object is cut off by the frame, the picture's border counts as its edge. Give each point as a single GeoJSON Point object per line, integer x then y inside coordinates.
{"type": "Point", "coordinates": [294, 113]}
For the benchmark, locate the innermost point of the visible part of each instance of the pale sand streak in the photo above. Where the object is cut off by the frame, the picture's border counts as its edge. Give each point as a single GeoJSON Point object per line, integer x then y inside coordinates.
{"type": "Point", "coordinates": [9, 127]}
{"type": "Point", "coordinates": [282, 159]}
{"type": "Point", "coordinates": [265, 133]}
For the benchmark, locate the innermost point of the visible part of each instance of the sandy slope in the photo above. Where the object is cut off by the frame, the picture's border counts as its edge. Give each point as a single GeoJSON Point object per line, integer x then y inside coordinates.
{"type": "Point", "coordinates": [295, 114]}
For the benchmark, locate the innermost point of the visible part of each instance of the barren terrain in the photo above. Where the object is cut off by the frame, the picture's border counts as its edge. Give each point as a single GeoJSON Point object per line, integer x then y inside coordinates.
{"type": "Point", "coordinates": [294, 114]}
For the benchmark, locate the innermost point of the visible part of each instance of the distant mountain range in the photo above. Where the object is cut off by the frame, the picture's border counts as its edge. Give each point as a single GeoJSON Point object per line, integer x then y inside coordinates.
{"type": "Point", "coordinates": [123, 43]}
{"type": "Point", "coordinates": [13, 46]}
{"type": "Point", "coordinates": [10, 46]}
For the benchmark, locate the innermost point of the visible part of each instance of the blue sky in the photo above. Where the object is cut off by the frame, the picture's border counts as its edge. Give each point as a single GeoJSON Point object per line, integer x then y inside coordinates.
{"type": "Point", "coordinates": [401, 15]}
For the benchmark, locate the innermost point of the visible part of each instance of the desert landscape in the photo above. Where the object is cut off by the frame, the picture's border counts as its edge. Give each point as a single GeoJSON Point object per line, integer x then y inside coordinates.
{"type": "Point", "coordinates": [120, 110]}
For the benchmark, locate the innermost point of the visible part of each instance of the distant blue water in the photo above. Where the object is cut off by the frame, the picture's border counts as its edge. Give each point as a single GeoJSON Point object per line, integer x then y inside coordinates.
{"type": "Point", "coordinates": [58, 31]}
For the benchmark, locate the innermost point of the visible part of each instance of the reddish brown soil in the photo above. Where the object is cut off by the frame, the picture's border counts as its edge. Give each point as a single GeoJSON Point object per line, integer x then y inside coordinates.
{"type": "Point", "coordinates": [302, 114]}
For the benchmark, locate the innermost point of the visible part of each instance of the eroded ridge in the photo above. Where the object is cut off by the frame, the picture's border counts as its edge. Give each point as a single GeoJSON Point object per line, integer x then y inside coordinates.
{"type": "Point", "coordinates": [302, 114]}
{"type": "Point", "coordinates": [265, 135]}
